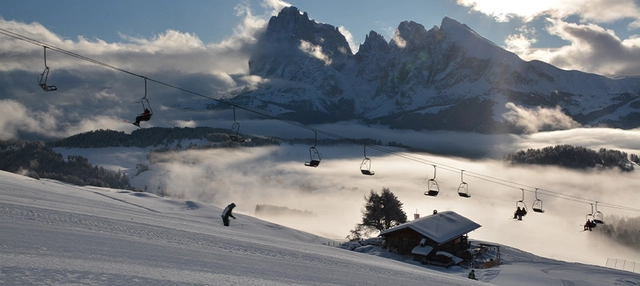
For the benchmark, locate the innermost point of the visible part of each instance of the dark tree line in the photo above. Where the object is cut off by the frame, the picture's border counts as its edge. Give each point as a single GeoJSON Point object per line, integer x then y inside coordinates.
{"type": "Point", "coordinates": [271, 210]}
{"type": "Point", "coordinates": [37, 160]}
{"type": "Point", "coordinates": [154, 136]}
{"type": "Point", "coordinates": [625, 231]}
{"type": "Point", "coordinates": [574, 157]}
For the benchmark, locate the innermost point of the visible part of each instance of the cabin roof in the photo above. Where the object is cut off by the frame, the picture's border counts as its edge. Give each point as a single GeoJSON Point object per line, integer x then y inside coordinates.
{"type": "Point", "coordinates": [441, 227]}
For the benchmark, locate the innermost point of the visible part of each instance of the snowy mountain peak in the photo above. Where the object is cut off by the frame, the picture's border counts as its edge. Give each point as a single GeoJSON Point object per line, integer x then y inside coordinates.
{"type": "Point", "coordinates": [476, 45]}
{"type": "Point", "coordinates": [373, 43]}
{"type": "Point", "coordinates": [290, 22]}
{"type": "Point", "coordinates": [409, 34]}
{"type": "Point", "coordinates": [292, 40]}
{"type": "Point", "coordinates": [422, 79]}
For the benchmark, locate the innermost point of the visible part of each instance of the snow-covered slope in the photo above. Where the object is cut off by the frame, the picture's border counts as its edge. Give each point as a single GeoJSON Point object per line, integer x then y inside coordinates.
{"type": "Point", "coordinates": [54, 233]}
{"type": "Point", "coordinates": [447, 77]}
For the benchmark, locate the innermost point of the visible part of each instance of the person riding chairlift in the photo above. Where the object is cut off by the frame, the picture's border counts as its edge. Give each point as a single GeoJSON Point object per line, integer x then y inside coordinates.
{"type": "Point", "coordinates": [146, 116]}
{"type": "Point", "coordinates": [519, 213]}
{"type": "Point", "coordinates": [589, 225]}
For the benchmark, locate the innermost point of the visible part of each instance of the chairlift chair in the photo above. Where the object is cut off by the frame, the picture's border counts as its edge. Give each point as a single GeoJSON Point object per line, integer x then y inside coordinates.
{"type": "Point", "coordinates": [537, 204]}
{"type": "Point", "coordinates": [45, 75]}
{"type": "Point", "coordinates": [146, 106]}
{"type": "Point", "coordinates": [432, 186]}
{"type": "Point", "coordinates": [521, 204]}
{"type": "Point", "coordinates": [591, 219]}
{"type": "Point", "coordinates": [365, 166]}
{"type": "Point", "coordinates": [145, 102]}
{"type": "Point", "coordinates": [235, 129]}
{"type": "Point", "coordinates": [598, 217]}
{"type": "Point", "coordinates": [463, 189]}
{"type": "Point", "coordinates": [314, 155]}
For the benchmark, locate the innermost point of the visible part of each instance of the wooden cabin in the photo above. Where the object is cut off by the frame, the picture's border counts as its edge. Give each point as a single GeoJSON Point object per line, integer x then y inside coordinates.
{"type": "Point", "coordinates": [425, 237]}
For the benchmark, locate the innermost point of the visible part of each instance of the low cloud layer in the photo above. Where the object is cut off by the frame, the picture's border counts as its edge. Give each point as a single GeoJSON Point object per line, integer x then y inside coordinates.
{"type": "Point", "coordinates": [334, 192]}
{"type": "Point", "coordinates": [537, 119]}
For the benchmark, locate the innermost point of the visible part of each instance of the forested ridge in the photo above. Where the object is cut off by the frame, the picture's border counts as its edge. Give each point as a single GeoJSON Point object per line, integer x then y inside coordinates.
{"type": "Point", "coordinates": [154, 136]}
{"type": "Point", "coordinates": [574, 157]}
{"type": "Point", "coordinates": [625, 230]}
{"type": "Point", "coordinates": [37, 160]}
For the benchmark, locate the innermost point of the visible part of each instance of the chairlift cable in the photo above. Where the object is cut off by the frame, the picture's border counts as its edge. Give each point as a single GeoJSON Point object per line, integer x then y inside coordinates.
{"type": "Point", "coordinates": [404, 155]}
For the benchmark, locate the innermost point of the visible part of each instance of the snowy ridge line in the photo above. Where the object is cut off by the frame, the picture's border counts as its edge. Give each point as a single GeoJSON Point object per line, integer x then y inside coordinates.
{"type": "Point", "coordinates": [486, 178]}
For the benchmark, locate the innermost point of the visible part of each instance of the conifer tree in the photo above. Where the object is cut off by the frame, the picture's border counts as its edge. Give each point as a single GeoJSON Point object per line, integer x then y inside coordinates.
{"type": "Point", "coordinates": [381, 211]}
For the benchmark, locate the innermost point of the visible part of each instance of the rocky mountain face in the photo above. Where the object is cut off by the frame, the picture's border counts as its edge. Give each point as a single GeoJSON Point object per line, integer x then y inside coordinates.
{"type": "Point", "coordinates": [444, 78]}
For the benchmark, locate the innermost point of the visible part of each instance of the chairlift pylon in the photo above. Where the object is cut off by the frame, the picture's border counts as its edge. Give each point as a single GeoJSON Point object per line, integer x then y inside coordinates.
{"type": "Point", "coordinates": [365, 166]}
{"type": "Point", "coordinates": [537, 204]}
{"type": "Point", "coordinates": [314, 155]}
{"type": "Point", "coordinates": [463, 189]}
{"type": "Point", "coordinates": [45, 75]}
{"type": "Point", "coordinates": [432, 186]}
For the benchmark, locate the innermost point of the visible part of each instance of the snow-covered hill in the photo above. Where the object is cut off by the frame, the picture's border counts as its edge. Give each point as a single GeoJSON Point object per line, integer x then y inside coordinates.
{"type": "Point", "coordinates": [55, 234]}
{"type": "Point", "coordinates": [445, 78]}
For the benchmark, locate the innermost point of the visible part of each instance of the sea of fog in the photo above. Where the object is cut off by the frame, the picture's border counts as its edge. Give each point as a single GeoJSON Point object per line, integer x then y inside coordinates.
{"type": "Point", "coordinates": [333, 194]}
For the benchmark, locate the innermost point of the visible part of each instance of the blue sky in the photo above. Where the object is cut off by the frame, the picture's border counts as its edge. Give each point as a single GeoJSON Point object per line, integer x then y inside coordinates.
{"type": "Point", "coordinates": [205, 46]}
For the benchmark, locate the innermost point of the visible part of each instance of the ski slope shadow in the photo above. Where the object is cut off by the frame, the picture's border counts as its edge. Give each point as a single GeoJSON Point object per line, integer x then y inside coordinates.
{"type": "Point", "coordinates": [123, 201]}
{"type": "Point", "coordinates": [191, 206]}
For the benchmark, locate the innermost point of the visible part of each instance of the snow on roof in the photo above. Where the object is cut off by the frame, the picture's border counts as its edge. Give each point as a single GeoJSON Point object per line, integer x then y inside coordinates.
{"type": "Point", "coordinates": [441, 227]}
{"type": "Point", "coordinates": [454, 258]}
{"type": "Point", "coordinates": [422, 250]}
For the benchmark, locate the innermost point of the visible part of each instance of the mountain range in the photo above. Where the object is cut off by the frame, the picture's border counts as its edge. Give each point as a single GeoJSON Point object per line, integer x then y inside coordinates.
{"type": "Point", "coordinates": [444, 78]}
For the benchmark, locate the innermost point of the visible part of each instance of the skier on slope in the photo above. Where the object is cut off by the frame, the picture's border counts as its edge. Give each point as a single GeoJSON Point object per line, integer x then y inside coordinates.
{"type": "Point", "coordinates": [472, 275]}
{"type": "Point", "coordinates": [227, 213]}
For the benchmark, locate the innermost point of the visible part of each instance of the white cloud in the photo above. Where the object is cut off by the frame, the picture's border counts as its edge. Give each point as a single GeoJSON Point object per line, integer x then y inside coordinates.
{"type": "Point", "coordinates": [592, 49]}
{"type": "Point", "coordinates": [315, 51]}
{"type": "Point", "coordinates": [349, 37]}
{"type": "Point", "coordinates": [519, 43]}
{"type": "Point", "coordinates": [276, 5]}
{"type": "Point", "coordinates": [505, 10]}
{"type": "Point", "coordinates": [91, 96]}
{"type": "Point", "coordinates": [601, 11]}
{"type": "Point", "coordinates": [398, 40]}
{"type": "Point", "coordinates": [17, 118]}
{"type": "Point", "coordinates": [539, 118]}
{"type": "Point", "coordinates": [172, 50]}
